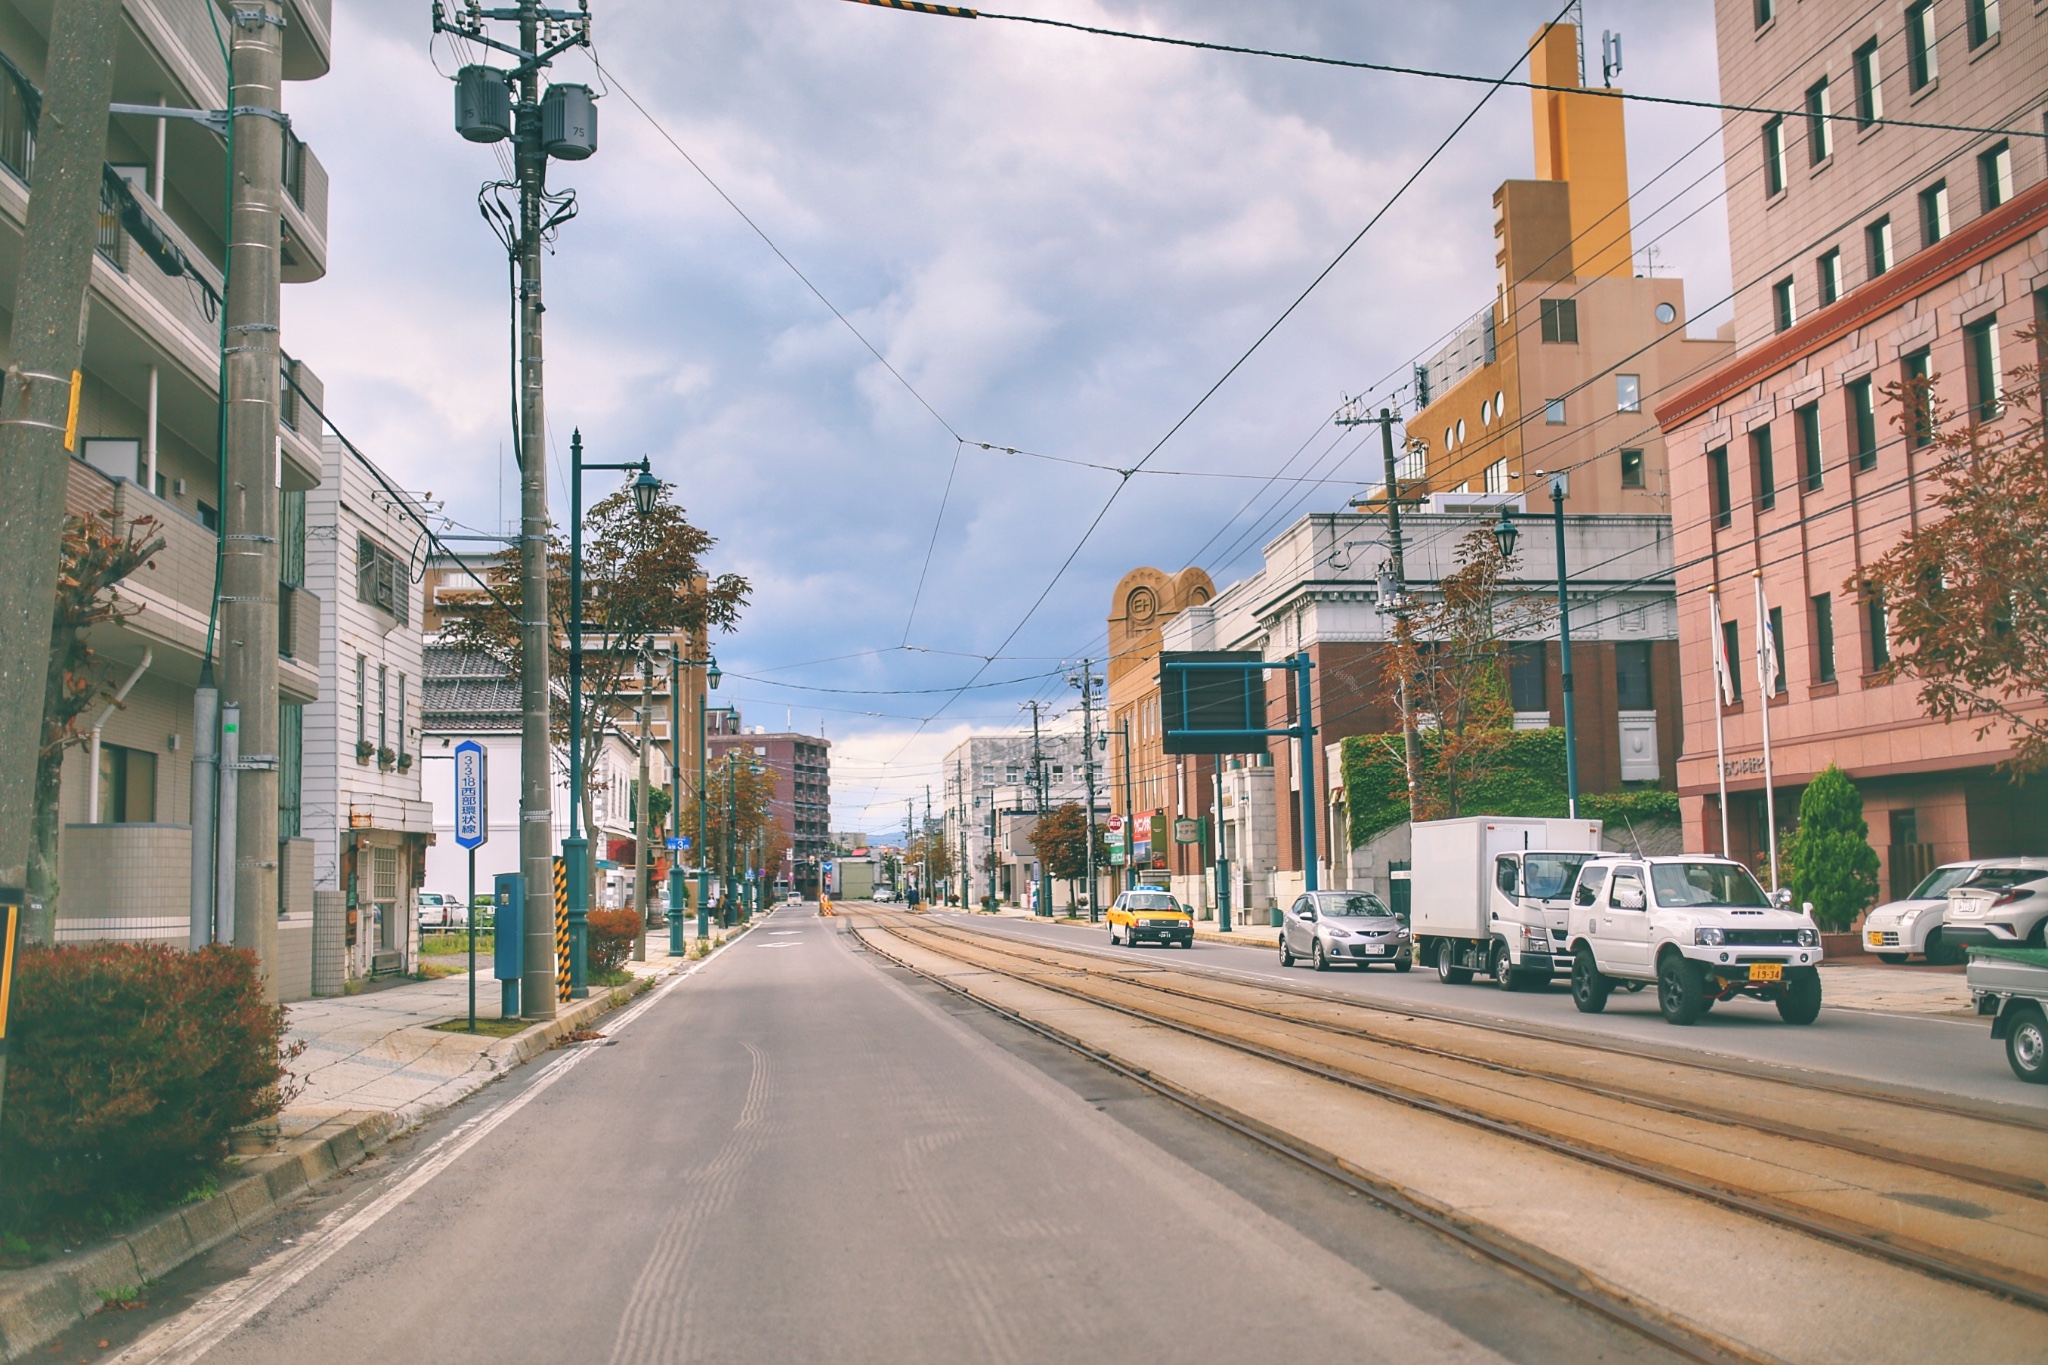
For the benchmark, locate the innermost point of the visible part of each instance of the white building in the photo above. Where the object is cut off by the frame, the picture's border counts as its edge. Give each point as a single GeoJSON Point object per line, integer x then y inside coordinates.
{"type": "Point", "coordinates": [992, 793]}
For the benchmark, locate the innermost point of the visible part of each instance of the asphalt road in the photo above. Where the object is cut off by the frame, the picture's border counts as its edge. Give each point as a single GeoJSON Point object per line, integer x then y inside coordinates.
{"type": "Point", "coordinates": [1940, 1055]}
{"type": "Point", "coordinates": [802, 1153]}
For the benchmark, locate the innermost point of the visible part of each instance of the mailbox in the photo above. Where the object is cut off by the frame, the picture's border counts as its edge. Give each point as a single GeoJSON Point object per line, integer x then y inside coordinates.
{"type": "Point", "coordinates": [508, 895]}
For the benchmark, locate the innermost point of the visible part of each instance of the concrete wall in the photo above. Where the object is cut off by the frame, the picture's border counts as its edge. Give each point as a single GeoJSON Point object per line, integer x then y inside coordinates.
{"type": "Point", "coordinates": [129, 882]}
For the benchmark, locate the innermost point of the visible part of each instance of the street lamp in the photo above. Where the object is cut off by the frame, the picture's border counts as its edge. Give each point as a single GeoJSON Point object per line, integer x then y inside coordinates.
{"type": "Point", "coordinates": [1558, 488]}
{"type": "Point", "coordinates": [675, 875]}
{"type": "Point", "coordinates": [1505, 535]}
{"type": "Point", "coordinates": [576, 848]}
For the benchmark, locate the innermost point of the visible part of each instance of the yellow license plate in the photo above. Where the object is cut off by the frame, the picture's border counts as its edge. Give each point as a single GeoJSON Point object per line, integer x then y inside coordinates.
{"type": "Point", "coordinates": [1766, 971]}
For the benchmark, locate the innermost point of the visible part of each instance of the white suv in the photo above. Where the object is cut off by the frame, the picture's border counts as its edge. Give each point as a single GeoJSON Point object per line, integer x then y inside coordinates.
{"type": "Point", "coordinates": [1697, 926]}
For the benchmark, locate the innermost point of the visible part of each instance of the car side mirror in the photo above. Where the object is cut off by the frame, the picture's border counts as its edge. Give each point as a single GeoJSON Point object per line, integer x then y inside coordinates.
{"type": "Point", "coordinates": [1308, 916]}
{"type": "Point", "coordinates": [1629, 897]}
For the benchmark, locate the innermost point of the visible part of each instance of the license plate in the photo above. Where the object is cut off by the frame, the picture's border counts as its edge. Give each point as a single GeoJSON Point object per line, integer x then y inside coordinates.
{"type": "Point", "coordinates": [1375, 947]}
{"type": "Point", "coordinates": [1766, 971]}
{"type": "Point", "coordinates": [1875, 940]}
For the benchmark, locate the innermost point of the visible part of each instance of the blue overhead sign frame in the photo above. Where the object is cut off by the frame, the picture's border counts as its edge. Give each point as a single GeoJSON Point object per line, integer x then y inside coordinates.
{"type": "Point", "coordinates": [1210, 705]}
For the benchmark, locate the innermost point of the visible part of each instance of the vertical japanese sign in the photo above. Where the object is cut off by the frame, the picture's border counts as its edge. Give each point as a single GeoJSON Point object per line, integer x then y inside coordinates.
{"type": "Point", "coordinates": [472, 803]}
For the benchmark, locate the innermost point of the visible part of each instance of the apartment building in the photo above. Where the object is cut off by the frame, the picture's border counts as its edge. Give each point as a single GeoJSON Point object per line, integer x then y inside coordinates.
{"type": "Point", "coordinates": [994, 788]}
{"type": "Point", "coordinates": [801, 803]}
{"type": "Point", "coordinates": [1867, 254]}
{"type": "Point", "coordinates": [148, 422]}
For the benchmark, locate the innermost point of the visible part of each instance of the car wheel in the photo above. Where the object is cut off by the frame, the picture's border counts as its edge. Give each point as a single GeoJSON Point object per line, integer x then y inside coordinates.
{"type": "Point", "coordinates": [1680, 989]}
{"type": "Point", "coordinates": [1446, 972]}
{"type": "Point", "coordinates": [2026, 1045]}
{"type": "Point", "coordinates": [1286, 953]}
{"type": "Point", "coordinates": [2039, 937]}
{"type": "Point", "coordinates": [1940, 952]}
{"type": "Point", "coordinates": [1589, 988]}
{"type": "Point", "coordinates": [1894, 959]}
{"type": "Point", "coordinates": [1404, 963]}
{"type": "Point", "coordinates": [1322, 958]}
{"type": "Point", "coordinates": [1799, 1001]}
{"type": "Point", "coordinates": [1504, 974]}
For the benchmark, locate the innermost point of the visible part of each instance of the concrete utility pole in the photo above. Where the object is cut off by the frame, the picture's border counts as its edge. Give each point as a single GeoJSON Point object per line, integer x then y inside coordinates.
{"type": "Point", "coordinates": [1039, 800]}
{"type": "Point", "coordinates": [1088, 772]}
{"type": "Point", "coordinates": [250, 519]}
{"type": "Point", "coordinates": [38, 414]}
{"type": "Point", "coordinates": [643, 866]}
{"type": "Point", "coordinates": [1395, 599]}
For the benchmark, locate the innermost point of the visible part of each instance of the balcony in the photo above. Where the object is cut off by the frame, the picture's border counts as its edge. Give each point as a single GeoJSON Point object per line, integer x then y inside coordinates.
{"type": "Point", "coordinates": [175, 589]}
{"type": "Point", "coordinates": [305, 213]}
{"type": "Point", "coordinates": [298, 643]}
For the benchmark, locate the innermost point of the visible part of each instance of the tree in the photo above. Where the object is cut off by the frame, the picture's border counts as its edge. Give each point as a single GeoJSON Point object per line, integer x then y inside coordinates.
{"type": "Point", "coordinates": [738, 817]}
{"type": "Point", "coordinates": [642, 581]}
{"type": "Point", "coordinates": [98, 552]}
{"type": "Point", "coordinates": [931, 855]}
{"type": "Point", "coordinates": [1965, 596]}
{"type": "Point", "coordinates": [1060, 838]}
{"type": "Point", "coordinates": [1451, 659]}
{"type": "Point", "coordinates": [1832, 863]}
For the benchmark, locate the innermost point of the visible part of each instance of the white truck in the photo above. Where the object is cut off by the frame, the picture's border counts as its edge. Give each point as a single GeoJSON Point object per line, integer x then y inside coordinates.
{"type": "Point", "coordinates": [1491, 894]}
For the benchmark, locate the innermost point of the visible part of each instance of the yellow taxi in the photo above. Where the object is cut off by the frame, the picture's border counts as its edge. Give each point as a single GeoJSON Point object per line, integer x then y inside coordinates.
{"type": "Point", "coordinates": [1146, 914]}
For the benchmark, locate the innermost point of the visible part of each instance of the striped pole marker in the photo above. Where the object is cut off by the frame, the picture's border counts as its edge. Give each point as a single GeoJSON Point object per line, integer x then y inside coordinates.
{"type": "Point", "coordinates": [561, 931]}
{"type": "Point", "coordinates": [919, 7]}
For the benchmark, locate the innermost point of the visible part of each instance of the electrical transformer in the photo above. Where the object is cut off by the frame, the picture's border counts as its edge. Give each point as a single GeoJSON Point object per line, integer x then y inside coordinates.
{"type": "Point", "coordinates": [568, 122]}
{"type": "Point", "coordinates": [483, 104]}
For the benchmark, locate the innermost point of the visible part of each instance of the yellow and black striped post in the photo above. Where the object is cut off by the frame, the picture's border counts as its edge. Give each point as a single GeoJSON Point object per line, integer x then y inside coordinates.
{"type": "Point", "coordinates": [920, 7]}
{"type": "Point", "coordinates": [561, 932]}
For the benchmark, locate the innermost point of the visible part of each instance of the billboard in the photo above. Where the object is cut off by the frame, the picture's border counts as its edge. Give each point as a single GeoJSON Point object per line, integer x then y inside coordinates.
{"type": "Point", "coordinates": [1209, 710]}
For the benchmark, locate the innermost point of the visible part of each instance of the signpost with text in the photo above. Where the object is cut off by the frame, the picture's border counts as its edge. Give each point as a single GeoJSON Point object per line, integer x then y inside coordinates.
{"type": "Point", "coordinates": [472, 827]}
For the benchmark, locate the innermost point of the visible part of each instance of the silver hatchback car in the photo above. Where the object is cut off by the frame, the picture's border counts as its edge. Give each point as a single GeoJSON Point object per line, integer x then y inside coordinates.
{"type": "Point", "coordinates": [1344, 928]}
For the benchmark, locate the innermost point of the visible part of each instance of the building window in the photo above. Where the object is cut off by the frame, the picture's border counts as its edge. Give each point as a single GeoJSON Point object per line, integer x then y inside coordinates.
{"type": "Point", "coordinates": [1918, 380]}
{"type": "Point", "coordinates": [1778, 649]}
{"type": "Point", "coordinates": [291, 768]}
{"type": "Point", "coordinates": [382, 579]}
{"type": "Point", "coordinates": [1766, 10]}
{"type": "Point", "coordinates": [1766, 468]}
{"type": "Point", "coordinates": [1869, 85]}
{"type": "Point", "coordinates": [1980, 361]}
{"type": "Point", "coordinates": [292, 539]}
{"type": "Point", "coordinates": [1528, 678]}
{"type": "Point", "coordinates": [1922, 64]}
{"type": "Point", "coordinates": [1863, 421]}
{"type": "Point", "coordinates": [1497, 477]}
{"type": "Point", "coordinates": [1628, 393]}
{"type": "Point", "coordinates": [1731, 653]}
{"type": "Point", "coordinates": [401, 715]}
{"type": "Point", "coordinates": [1717, 470]}
{"type": "Point", "coordinates": [362, 698]}
{"type": "Point", "coordinates": [127, 786]}
{"type": "Point", "coordinates": [1560, 320]}
{"type": "Point", "coordinates": [1553, 412]}
{"type": "Point", "coordinates": [1829, 271]}
{"type": "Point", "coordinates": [209, 517]}
{"type": "Point", "coordinates": [1631, 469]}
{"type": "Point", "coordinates": [1823, 639]}
{"type": "Point", "coordinates": [1784, 310]}
{"type": "Point", "coordinates": [1994, 176]}
{"type": "Point", "coordinates": [1632, 677]}
{"type": "Point", "coordinates": [383, 709]}
{"type": "Point", "coordinates": [1880, 628]}
{"type": "Point", "coordinates": [1877, 241]}
{"type": "Point", "coordinates": [1774, 157]}
{"type": "Point", "coordinates": [1820, 127]}
{"type": "Point", "coordinates": [1934, 213]}
{"type": "Point", "coordinates": [1983, 21]}
{"type": "Point", "coordinates": [1807, 422]}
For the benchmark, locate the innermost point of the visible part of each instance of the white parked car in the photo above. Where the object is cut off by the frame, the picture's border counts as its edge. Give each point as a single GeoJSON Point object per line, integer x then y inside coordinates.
{"type": "Point", "coordinates": [1915, 924]}
{"type": "Point", "coordinates": [441, 912]}
{"type": "Point", "coordinates": [1696, 926]}
{"type": "Point", "coordinates": [2003, 904]}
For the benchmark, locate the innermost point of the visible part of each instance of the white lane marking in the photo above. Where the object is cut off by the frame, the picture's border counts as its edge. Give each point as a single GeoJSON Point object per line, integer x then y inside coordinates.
{"type": "Point", "coordinates": [778, 945]}
{"type": "Point", "coordinates": [189, 1336]}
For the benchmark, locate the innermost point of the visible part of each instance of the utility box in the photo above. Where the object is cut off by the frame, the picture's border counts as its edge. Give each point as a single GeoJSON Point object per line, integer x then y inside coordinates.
{"type": "Point", "coordinates": [508, 953]}
{"type": "Point", "coordinates": [568, 122]}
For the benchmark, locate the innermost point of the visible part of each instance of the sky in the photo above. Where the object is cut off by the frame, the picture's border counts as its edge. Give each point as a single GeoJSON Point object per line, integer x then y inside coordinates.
{"type": "Point", "coordinates": [1051, 242]}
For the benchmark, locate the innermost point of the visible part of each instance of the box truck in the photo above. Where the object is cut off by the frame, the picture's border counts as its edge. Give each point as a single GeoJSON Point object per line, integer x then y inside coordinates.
{"type": "Point", "coordinates": [1492, 894]}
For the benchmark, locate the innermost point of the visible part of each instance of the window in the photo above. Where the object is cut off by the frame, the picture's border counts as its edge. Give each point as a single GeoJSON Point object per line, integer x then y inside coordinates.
{"type": "Point", "coordinates": [1922, 66]}
{"type": "Point", "coordinates": [1774, 157]}
{"type": "Point", "coordinates": [1807, 422]}
{"type": "Point", "coordinates": [1880, 628]}
{"type": "Point", "coordinates": [1994, 176]}
{"type": "Point", "coordinates": [1553, 412]}
{"type": "Point", "coordinates": [1628, 393]}
{"type": "Point", "coordinates": [1820, 128]}
{"type": "Point", "coordinates": [1823, 639]}
{"type": "Point", "coordinates": [209, 517]}
{"type": "Point", "coordinates": [1913, 370]}
{"type": "Point", "coordinates": [1632, 677]}
{"type": "Point", "coordinates": [1829, 271]}
{"type": "Point", "coordinates": [1863, 421]}
{"type": "Point", "coordinates": [1784, 311]}
{"type": "Point", "coordinates": [2041, 330]}
{"type": "Point", "coordinates": [1980, 363]}
{"type": "Point", "coordinates": [401, 715]}
{"type": "Point", "coordinates": [1934, 213]}
{"type": "Point", "coordinates": [1717, 470]}
{"type": "Point", "coordinates": [1631, 469]}
{"type": "Point", "coordinates": [382, 579]}
{"type": "Point", "coordinates": [292, 539]}
{"type": "Point", "coordinates": [291, 768]}
{"type": "Point", "coordinates": [1983, 21]}
{"type": "Point", "coordinates": [1560, 320]}
{"type": "Point", "coordinates": [1528, 677]}
{"type": "Point", "coordinates": [1877, 241]}
{"type": "Point", "coordinates": [1869, 85]}
{"type": "Point", "coordinates": [1778, 648]}
{"type": "Point", "coordinates": [1766, 10]}
{"type": "Point", "coordinates": [1766, 468]}
{"type": "Point", "coordinates": [1497, 476]}
{"type": "Point", "coordinates": [362, 698]}
{"type": "Point", "coordinates": [1731, 652]}
{"type": "Point", "coordinates": [127, 786]}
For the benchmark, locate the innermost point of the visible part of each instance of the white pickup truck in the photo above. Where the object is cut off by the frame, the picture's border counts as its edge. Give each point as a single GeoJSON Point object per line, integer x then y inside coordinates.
{"type": "Point", "coordinates": [1489, 894]}
{"type": "Point", "coordinates": [1698, 927]}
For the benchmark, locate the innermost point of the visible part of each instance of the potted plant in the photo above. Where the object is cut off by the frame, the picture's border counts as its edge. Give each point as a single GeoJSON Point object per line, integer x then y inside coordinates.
{"type": "Point", "coordinates": [365, 751]}
{"type": "Point", "coordinates": [387, 758]}
{"type": "Point", "coordinates": [405, 763]}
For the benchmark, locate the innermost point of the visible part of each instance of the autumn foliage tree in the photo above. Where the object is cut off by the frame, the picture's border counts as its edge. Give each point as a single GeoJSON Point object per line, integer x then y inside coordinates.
{"type": "Point", "coordinates": [98, 552]}
{"type": "Point", "coordinates": [739, 818]}
{"type": "Point", "coordinates": [1965, 595]}
{"type": "Point", "coordinates": [1060, 839]}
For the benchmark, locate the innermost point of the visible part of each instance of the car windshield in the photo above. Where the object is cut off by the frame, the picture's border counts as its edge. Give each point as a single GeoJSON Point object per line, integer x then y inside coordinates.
{"type": "Point", "coordinates": [429, 898]}
{"type": "Point", "coordinates": [2003, 878]}
{"type": "Point", "coordinates": [1940, 882]}
{"type": "Point", "coordinates": [1354, 905]}
{"type": "Point", "coordinates": [1684, 884]}
{"type": "Point", "coordinates": [1548, 876]}
{"type": "Point", "coordinates": [1154, 901]}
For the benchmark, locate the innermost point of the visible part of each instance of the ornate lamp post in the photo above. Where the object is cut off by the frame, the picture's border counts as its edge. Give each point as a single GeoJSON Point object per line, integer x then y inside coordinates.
{"type": "Point", "coordinates": [678, 897]}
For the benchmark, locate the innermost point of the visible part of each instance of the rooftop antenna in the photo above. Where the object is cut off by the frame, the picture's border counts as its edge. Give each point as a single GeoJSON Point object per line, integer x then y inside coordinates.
{"type": "Point", "coordinates": [1610, 57]}
{"type": "Point", "coordinates": [1575, 15]}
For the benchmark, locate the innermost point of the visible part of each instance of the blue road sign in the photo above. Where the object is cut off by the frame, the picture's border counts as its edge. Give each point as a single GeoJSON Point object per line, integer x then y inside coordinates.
{"type": "Point", "coordinates": [472, 813]}
{"type": "Point", "coordinates": [676, 845]}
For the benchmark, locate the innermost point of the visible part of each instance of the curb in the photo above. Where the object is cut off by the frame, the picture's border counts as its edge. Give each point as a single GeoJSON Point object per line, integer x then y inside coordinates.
{"type": "Point", "coordinates": [42, 1301]}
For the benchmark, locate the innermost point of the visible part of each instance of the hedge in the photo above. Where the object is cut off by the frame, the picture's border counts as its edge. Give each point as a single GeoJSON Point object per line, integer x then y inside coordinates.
{"type": "Point", "coordinates": [129, 1065]}
{"type": "Point", "coordinates": [613, 936]}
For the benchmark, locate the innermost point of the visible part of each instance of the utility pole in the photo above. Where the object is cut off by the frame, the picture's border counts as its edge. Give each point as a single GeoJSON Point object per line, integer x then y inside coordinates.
{"type": "Point", "coordinates": [966, 876]}
{"type": "Point", "coordinates": [38, 415]}
{"type": "Point", "coordinates": [1130, 829]}
{"type": "Point", "coordinates": [643, 864]}
{"type": "Point", "coordinates": [924, 845]}
{"type": "Point", "coordinates": [570, 132]}
{"type": "Point", "coordinates": [1393, 588]}
{"type": "Point", "coordinates": [909, 841]}
{"type": "Point", "coordinates": [1087, 682]}
{"type": "Point", "coordinates": [1039, 800]}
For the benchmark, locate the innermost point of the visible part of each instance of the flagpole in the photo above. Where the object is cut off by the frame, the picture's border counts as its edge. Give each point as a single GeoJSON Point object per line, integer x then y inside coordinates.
{"type": "Point", "coordinates": [1766, 648]}
{"type": "Point", "coordinates": [1720, 701]}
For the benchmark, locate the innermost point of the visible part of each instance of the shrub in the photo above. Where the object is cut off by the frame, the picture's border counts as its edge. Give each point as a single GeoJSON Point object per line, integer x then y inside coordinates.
{"type": "Point", "coordinates": [613, 935]}
{"type": "Point", "coordinates": [1829, 857]}
{"type": "Point", "coordinates": [129, 1066]}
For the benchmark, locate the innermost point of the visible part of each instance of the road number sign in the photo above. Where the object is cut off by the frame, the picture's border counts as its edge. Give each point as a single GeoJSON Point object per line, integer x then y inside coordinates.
{"type": "Point", "coordinates": [472, 815]}
{"type": "Point", "coordinates": [676, 845]}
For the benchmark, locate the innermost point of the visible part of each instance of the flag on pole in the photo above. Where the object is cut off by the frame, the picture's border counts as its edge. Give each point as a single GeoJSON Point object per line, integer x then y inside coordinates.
{"type": "Point", "coordinates": [1724, 680]}
{"type": "Point", "coordinates": [1766, 649]}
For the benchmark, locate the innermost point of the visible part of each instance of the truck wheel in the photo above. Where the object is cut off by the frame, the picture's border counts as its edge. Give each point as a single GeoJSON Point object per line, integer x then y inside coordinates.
{"type": "Point", "coordinates": [1799, 1002]}
{"type": "Point", "coordinates": [1589, 987]}
{"type": "Point", "coordinates": [1446, 969]}
{"type": "Point", "coordinates": [1504, 974]}
{"type": "Point", "coordinates": [2026, 1044]}
{"type": "Point", "coordinates": [1680, 991]}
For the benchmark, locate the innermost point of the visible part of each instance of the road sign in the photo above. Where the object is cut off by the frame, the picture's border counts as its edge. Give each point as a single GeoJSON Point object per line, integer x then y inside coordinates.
{"type": "Point", "coordinates": [1187, 830]}
{"type": "Point", "coordinates": [676, 845]}
{"type": "Point", "coordinates": [472, 804]}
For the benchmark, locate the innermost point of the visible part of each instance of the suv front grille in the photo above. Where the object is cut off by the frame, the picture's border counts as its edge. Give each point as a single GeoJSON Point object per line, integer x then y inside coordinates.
{"type": "Point", "coordinates": [1761, 938]}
